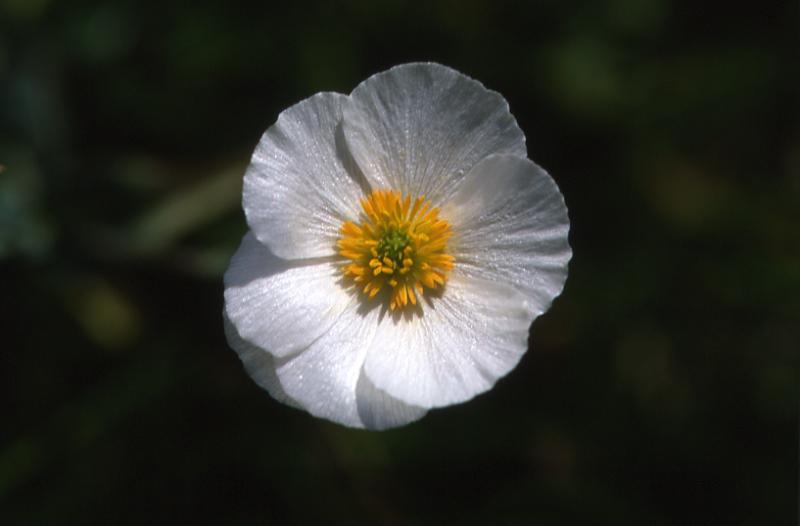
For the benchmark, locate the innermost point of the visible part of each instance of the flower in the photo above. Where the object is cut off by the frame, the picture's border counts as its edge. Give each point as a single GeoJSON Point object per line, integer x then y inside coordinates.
{"type": "Point", "coordinates": [400, 245]}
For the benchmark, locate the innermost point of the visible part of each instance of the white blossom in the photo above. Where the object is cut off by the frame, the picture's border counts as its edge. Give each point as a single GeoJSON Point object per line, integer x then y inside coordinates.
{"type": "Point", "coordinates": [400, 245]}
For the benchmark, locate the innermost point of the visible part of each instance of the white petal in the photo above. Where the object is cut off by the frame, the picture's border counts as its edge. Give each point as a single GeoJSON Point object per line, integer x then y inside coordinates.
{"type": "Point", "coordinates": [302, 183]}
{"type": "Point", "coordinates": [378, 410]}
{"type": "Point", "coordinates": [419, 128]}
{"type": "Point", "coordinates": [301, 338]}
{"type": "Point", "coordinates": [281, 306]}
{"type": "Point", "coordinates": [258, 363]}
{"type": "Point", "coordinates": [325, 379]}
{"type": "Point", "coordinates": [511, 226]}
{"type": "Point", "coordinates": [462, 342]}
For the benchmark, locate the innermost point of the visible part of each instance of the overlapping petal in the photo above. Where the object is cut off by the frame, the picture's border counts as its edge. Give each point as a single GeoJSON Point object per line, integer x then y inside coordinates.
{"type": "Point", "coordinates": [301, 183]}
{"type": "Point", "coordinates": [301, 337]}
{"type": "Point", "coordinates": [281, 306]}
{"type": "Point", "coordinates": [511, 226]}
{"type": "Point", "coordinates": [325, 379]}
{"type": "Point", "coordinates": [258, 363]}
{"type": "Point", "coordinates": [463, 341]}
{"type": "Point", "coordinates": [419, 128]}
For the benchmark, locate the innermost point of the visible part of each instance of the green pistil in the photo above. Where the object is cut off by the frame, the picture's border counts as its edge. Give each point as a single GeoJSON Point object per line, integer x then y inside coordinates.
{"type": "Point", "coordinates": [392, 244]}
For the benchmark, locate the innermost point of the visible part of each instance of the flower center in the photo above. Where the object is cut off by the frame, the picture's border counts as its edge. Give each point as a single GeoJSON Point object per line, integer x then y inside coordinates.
{"type": "Point", "coordinates": [400, 244]}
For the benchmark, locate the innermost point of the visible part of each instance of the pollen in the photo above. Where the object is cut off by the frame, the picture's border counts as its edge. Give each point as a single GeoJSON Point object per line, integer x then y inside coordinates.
{"type": "Point", "coordinates": [400, 246]}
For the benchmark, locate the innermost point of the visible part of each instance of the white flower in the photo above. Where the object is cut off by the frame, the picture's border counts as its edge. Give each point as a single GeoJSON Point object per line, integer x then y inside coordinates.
{"type": "Point", "coordinates": [401, 244]}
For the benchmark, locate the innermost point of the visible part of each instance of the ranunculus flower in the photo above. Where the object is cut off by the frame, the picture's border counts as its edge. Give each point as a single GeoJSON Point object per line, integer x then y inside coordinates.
{"type": "Point", "coordinates": [400, 245]}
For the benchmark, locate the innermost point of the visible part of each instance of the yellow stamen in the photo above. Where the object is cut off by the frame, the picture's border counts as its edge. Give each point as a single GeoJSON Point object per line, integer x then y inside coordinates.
{"type": "Point", "coordinates": [401, 243]}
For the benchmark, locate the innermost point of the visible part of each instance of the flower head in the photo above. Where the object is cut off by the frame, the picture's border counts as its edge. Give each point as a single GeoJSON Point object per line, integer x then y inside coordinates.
{"type": "Point", "coordinates": [400, 245]}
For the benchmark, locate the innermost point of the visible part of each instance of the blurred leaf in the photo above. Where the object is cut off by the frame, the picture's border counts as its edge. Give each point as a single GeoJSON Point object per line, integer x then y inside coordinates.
{"type": "Point", "coordinates": [585, 78]}
{"type": "Point", "coordinates": [24, 9]}
{"type": "Point", "coordinates": [645, 363]}
{"type": "Point", "coordinates": [187, 210]}
{"type": "Point", "coordinates": [18, 462]}
{"type": "Point", "coordinates": [23, 226]}
{"type": "Point", "coordinates": [689, 197]}
{"type": "Point", "coordinates": [107, 316]}
{"type": "Point", "coordinates": [104, 33]}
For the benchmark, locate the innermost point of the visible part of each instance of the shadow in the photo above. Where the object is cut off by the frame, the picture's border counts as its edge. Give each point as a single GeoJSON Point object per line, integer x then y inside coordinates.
{"type": "Point", "coordinates": [258, 363]}
{"type": "Point", "coordinates": [383, 298]}
{"type": "Point", "coordinates": [253, 260]}
{"type": "Point", "coordinates": [365, 304]}
{"type": "Point", "coordinates": [348, 162]}
{"type": "Point", "coordinates": [377, 410]}
{"type": "Point", "coordinates": [410, 312]}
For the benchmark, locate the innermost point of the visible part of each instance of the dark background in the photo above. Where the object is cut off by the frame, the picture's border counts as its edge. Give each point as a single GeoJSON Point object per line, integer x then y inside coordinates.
{"type": "Point", "coordinates": [661, 388]}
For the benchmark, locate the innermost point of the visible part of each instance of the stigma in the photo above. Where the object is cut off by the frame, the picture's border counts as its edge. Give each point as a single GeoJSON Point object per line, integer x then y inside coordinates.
{"type": "Point", "coordinates": [399, 246]}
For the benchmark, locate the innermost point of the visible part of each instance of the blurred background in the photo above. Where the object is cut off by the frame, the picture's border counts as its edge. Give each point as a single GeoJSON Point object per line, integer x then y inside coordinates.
{"type": "Point", "coordinates": [661, 389]}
